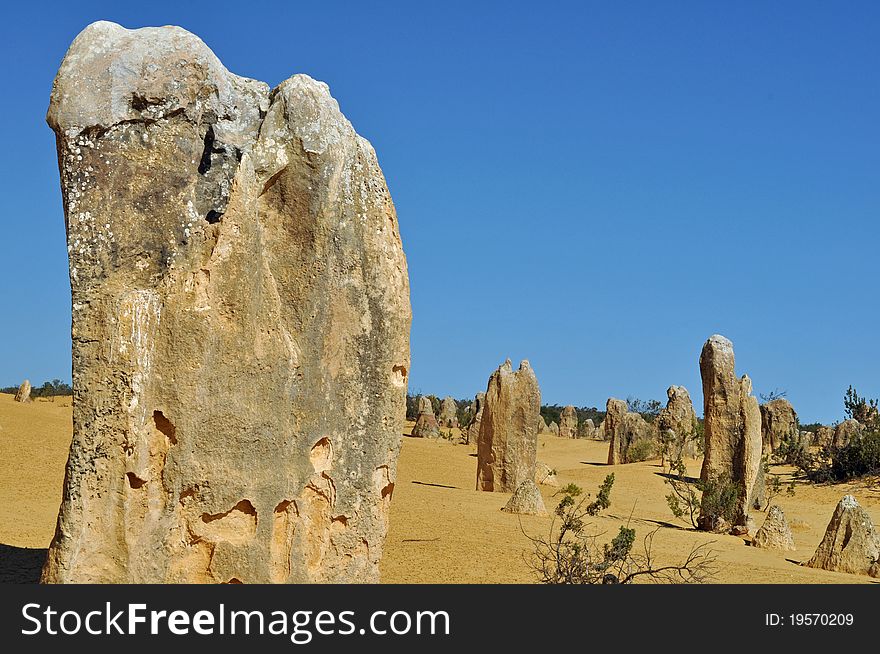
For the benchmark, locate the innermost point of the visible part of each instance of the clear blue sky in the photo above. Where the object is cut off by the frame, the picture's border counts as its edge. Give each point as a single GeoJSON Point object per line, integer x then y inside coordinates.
{"type": "Point", "coordinates": [596, 187]}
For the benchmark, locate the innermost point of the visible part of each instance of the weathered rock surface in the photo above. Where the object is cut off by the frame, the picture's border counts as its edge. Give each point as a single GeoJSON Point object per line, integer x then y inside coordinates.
{"type": "Point", "coordinates": [426, 424]}
{"type": "Point", "coordinates": [677, 423]}
{"type": "Point", "coordinates": [779, 423]}
{"type": "Point", "coordinates": [541, 425]}
{"type": "Point", "coordinates": [24, 392]}
{"type": "Point", "coordinates": [846, 431]}
{"type": "Point", "coordinates": [240, 322]}
{"type": "Point", "coordinates": [631, 437]}
{"type": "Point", "coordinates": [732, 428]}
{"type": "Point", "coordinates": [850, 543]}
{"type": "Point", "coordinates": [568, 423]}
{"type": "Point", "coordinates": [775, 533]}
{"type": "Point", "coordinates": [824, 436]}
{"type": "Point", "coordinates": [424, 405]}
{"type": "Point", "coordinates": [473, 431]}
{"type": "Point", "coordinates": [508, 442]}
{"type": "Point", "coordinates": [553, 428]}
{"type": "Point", "coordinates": [545, 475]}
{"type": "Point", "coordinates": [526, 500]}
{"type": "Point", "coordinates": [448, 413]}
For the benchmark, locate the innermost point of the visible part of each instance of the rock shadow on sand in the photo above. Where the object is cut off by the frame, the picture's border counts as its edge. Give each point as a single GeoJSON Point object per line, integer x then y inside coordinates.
{"type": "Point", "coordinates": [21, 565]}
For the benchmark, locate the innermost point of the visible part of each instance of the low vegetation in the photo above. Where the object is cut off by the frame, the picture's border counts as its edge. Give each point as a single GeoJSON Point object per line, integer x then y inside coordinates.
{"type": "Point", "coordinates": [860, 457]}
{"type": "Point", "coordinates": [572, 554]}
{"type": "Point", "coordinates": [704, 504]}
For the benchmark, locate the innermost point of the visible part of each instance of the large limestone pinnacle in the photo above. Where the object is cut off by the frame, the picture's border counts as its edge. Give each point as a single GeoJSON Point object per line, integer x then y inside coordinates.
{"type": "Point", "coordinates": [240, 322]}
{"type": "Point", "coordinates": [507, 443]}
{"type": "Point", "coordinates": [732, 428]}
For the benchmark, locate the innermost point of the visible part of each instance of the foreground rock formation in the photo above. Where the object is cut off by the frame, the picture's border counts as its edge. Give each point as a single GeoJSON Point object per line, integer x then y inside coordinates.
{"type": "Point", "coordinates": [631, 437]}
{"type": "Point", "coordinates": [779, 423]}
{"type": "Point", "coordinates": [732, 428]}
{"type": "Point", "coordinates": [677, 423]}
{"type": "Point", "coordinates": [426, 424]}
{"type": "Point", "coordinates": [448, 413]}
{"type": "Point", "coordinates": [568, 423]}
{"type": "Point", "coordinates": [526, 500]}
{"type": "Point", "coordinates": [850, 543]}
{"type": "Point", "coordinates": [774, 534]}
{"type": "Point", "coordinates": [240, 322]}
{"type": "Point", "coordinates": [24, 392]}
{"type": "Point", "coordinates": [508, 440]}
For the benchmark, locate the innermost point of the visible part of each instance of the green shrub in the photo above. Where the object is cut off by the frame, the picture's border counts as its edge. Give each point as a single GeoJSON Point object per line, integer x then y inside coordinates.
{"type": "Point", "coordinates": [793, 452]}
{"type": "Point", "coordinates": [603, 498]}
{"type": "Point", "coordinates": [572, 555]}
{"type": "Point", "coordinates": [858, 458]}
{"type": "Point", "coordinates": [719, 502]}
{"type": "Point", "coordinates": [640, 450]}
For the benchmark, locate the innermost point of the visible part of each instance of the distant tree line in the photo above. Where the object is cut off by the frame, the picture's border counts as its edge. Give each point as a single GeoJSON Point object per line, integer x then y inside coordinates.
{"type": "Point", "coordinates": [551, 413]}
{"type": "Point", "coordinates": [53, 388]}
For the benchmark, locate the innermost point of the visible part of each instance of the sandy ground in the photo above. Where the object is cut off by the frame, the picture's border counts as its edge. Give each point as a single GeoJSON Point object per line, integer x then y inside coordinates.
{"type": "Point", "coordinates": [442, 530]}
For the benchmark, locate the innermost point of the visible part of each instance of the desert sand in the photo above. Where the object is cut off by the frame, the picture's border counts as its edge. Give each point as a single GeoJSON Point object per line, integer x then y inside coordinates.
{"type": "Point", "coordinates": [441, 529]}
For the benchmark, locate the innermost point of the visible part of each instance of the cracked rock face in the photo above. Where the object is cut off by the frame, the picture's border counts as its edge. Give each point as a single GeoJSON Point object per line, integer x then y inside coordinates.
{"type": "Point", "coordinates": [508, 440]}
{"type": "Point", "coordinates": [240, 322]}
{"type": "Point", "coordinates": [732, 429]}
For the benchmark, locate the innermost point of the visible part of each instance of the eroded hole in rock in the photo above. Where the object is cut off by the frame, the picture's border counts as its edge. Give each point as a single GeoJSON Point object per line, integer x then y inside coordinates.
{"type": "Point", "coordinates": [205, 163]}
{"type": "Point", "coordinates": [321, 455]}
{"type": "Point", "coordinates": [234, 580]}
{"type": "Point", "coordinates": [165, 426]}
{"type": "Point", "coordinates": [140, 102]}
{"type": "Point", "coordinates": [401, 370]}
{"type": "Point", "coordinates": [134, 481]}
{"type": "Point", "coordinates": [213, 217]}
{"type": "Point", "coordinates": [382, 482]}
{"type": "Point", "coordinates": [236, 526]}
